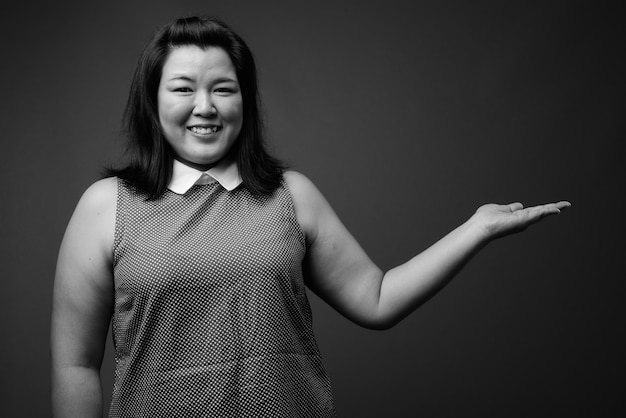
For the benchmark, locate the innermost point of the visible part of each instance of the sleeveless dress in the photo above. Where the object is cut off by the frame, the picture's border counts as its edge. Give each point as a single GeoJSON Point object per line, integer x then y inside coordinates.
{"type": "Point", "coordinates": [211, 316]}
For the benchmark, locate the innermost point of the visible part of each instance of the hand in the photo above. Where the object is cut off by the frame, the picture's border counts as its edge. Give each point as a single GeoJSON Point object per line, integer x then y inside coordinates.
{"type": "Point", "coordinates": [501, 220]}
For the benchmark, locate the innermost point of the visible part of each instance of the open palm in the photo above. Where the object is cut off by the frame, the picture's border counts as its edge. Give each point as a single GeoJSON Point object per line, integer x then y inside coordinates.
{"type": "Point", "coordinates": [501, 220]}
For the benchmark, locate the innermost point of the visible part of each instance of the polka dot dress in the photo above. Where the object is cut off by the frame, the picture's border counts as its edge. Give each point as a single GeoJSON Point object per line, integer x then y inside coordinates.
{"type": "Point", "coordinates": [211, 316]}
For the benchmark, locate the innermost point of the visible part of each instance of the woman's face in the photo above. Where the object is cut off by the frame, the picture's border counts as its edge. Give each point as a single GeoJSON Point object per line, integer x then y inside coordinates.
{"type": "Point", "coordinates": [200, 104]}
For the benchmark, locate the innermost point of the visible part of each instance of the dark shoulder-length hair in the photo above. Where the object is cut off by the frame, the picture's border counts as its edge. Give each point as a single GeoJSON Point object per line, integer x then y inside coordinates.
{"type": "Point", "coordinates": [150, 156]}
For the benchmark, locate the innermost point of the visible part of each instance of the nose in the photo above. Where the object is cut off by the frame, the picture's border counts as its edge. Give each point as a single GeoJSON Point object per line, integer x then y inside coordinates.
{"type": "Point", "coordinates": [203, 105]}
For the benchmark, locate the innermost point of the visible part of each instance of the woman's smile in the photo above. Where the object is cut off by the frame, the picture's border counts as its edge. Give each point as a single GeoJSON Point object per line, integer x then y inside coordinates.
{"type": "Point", "coordinates": [204, 131]}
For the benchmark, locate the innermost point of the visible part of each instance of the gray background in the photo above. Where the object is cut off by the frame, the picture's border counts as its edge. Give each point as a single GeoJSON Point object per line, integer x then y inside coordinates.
{"type": "Point", "coordinates": [408, 116]}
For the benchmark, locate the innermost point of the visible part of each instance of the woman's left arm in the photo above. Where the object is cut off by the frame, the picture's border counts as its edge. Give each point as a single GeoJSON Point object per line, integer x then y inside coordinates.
{"type": "Point", "coordinates": [340, 272]}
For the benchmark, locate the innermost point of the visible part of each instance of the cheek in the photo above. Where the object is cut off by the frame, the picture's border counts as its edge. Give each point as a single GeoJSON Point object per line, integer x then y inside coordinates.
{"type": "Point", "coordinates": [236, 119]}
{"type": "Point", "coordinates": [172, 112]}
{"type": "Point", "coordinates": [233, 111]}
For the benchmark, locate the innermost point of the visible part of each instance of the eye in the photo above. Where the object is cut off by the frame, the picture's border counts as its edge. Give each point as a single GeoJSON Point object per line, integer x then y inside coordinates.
{"type": "Point", "coordinates": [182, 90]}
{"type": "Point", "coordinates": [224, 90]}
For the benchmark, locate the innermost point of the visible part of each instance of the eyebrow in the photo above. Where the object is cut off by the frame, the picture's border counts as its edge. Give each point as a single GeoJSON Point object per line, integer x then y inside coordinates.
{"type": "Point", "coordinates": [187, 78]}
{"type": "Point", "coordinates": [180, 77]}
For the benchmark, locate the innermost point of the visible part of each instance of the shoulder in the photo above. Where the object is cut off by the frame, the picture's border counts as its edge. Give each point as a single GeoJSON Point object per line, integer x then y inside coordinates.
{"type": "Point", "coordinates": [297, 182]}
{"type": "Point", "coordinates": [100, 199]}
{"type": "Point", "coordinates": [102, 193]}
{"type": "Point", "coordinates": [302, 189]}
{"type": "Point", "coordinates": [96, 208]}
{"type": "Point", "coordinates": [310, 205]}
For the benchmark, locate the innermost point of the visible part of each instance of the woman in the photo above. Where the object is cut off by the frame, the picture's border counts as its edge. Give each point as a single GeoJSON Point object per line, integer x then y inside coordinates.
{"type": "Point", "coordinates": [200, 248]}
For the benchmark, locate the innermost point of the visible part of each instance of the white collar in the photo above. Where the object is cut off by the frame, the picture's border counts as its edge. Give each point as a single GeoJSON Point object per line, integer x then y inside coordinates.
{"type": "Point", "coordinates": [184, 177]}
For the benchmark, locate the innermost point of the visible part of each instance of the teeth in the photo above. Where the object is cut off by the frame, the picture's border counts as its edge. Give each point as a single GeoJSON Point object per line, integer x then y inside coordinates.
{"type": "Point", "coordinates": [203, 131]}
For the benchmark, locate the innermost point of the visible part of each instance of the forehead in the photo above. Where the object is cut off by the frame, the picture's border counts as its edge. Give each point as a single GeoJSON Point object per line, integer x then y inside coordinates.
{"type": "Point", "coordinates": [192, 60]}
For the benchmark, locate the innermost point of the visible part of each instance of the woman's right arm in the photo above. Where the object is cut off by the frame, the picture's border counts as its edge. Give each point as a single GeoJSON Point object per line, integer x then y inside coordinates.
{"type": "Point", "coordinates": [83, 303]}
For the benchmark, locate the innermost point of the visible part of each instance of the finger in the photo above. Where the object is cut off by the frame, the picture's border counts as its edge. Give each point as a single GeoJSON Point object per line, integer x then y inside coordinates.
{"type": "Point", "coordinates": [515, 206]}
{"type": "Point", "coordinates": [552, 208]}
{"type": "Point", "coordinates": [541, 211]}
{"type": "Point", "coordinates": [560, 205]}
{"type": "Point", "coordinates": [563, 204]}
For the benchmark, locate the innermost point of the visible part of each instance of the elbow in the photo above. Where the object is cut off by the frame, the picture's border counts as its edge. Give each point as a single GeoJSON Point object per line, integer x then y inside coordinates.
{"type": "Point", "coordinates": [379, 322]}
{"type": "Point", "coordinates": [380, 326]}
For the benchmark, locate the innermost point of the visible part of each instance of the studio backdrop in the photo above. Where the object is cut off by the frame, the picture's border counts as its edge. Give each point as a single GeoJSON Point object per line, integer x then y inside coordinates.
{"type": "Point", "coordinates": [408, 116]}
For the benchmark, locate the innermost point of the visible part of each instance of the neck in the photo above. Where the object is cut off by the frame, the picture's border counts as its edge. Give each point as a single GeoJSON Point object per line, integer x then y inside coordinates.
{"type": "Point", "coordinates": [227, 159]}
{"type": "Point", "coordinates": [197, 166]}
